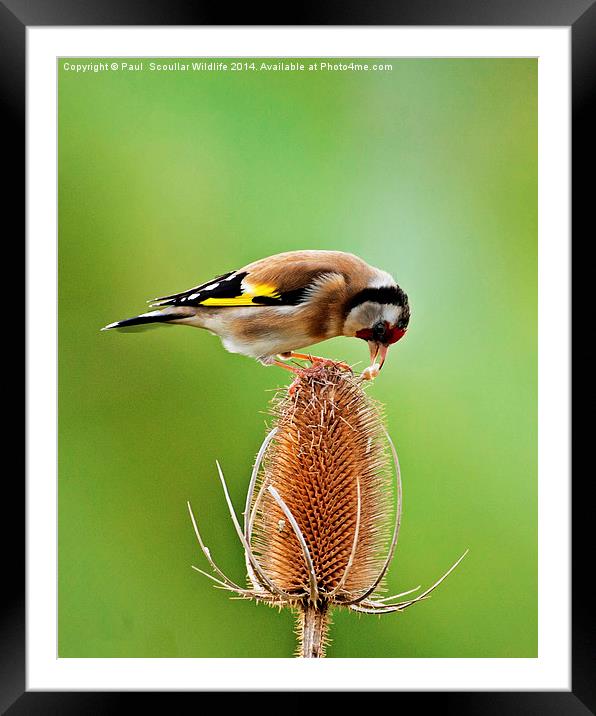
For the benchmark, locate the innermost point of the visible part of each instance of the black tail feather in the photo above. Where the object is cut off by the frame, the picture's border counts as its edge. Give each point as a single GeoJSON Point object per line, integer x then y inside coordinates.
{"type": "Point", "coordinates": [152, 317]}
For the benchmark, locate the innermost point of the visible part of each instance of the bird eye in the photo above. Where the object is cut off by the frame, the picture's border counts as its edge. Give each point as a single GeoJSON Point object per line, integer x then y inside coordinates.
{"type": "Point", "coordinates": [379, 330]}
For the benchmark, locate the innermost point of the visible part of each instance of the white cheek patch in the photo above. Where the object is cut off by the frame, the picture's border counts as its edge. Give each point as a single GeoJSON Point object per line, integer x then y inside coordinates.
{"type": "Point", "coordinates": [362, 316]}
{"type": "Point", "coordinates": [391, 314]}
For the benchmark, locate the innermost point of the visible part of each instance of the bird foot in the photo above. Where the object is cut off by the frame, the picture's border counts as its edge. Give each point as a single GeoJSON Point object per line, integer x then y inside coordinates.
{"type": "Point", "coordinates": [300, 372]}
{"type": "Point", "coordinates": [316, 360]}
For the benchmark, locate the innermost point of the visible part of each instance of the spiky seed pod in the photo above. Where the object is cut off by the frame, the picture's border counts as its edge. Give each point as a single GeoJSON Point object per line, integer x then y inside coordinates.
{"type": "Point", "coordinates": [316, 530]}
{"type": "Point", "coordinates": [328, 468]}
{"type": "Point", "coordinates": [328, 462]}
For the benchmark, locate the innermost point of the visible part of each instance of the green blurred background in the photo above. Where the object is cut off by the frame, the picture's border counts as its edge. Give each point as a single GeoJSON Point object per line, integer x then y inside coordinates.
{"type": "Point", "coordinates": [428, 170]}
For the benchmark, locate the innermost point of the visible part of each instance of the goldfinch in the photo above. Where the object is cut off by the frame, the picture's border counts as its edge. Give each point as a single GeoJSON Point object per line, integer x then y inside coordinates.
{"type": "Point", "coordinates": [276, 305]}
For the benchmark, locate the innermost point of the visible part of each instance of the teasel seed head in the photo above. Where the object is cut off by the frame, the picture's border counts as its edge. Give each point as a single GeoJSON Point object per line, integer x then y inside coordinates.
{"type": "Point", "coordinates": [320, 527]}
{"type": "Point", "coordinates": [328, 463]}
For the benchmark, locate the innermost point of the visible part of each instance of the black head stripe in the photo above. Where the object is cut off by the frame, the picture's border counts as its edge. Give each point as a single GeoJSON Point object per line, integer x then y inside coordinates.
{"type": "Point", "coordinates": [385, 294]}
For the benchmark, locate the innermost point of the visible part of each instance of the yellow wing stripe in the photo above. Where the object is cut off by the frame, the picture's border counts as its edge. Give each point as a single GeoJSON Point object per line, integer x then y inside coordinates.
{"type": "Point", "coordinates": [245, 299]}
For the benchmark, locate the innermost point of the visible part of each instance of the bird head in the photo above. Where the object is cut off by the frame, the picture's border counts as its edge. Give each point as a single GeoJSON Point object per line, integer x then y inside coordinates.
{"type": "Point", "coordinates": [380, 316]}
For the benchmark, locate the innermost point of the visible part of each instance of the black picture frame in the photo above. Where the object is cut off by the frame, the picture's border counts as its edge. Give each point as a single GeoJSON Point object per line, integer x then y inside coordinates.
{"type": "Point", "coordinates": [15, 17]}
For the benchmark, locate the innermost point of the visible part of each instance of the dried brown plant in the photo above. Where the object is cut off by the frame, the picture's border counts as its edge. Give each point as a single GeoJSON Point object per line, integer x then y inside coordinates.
{"type": "Point", "coordinates": [317, 529]}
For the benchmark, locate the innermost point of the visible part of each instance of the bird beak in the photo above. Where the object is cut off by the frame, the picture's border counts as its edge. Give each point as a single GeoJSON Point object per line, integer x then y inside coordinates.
{"type": "Point", "coordinates": [378, 353]}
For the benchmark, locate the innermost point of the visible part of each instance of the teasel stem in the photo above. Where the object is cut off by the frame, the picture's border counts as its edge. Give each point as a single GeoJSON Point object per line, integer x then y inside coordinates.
{"type": "Point", "coordinates": [313, 625]}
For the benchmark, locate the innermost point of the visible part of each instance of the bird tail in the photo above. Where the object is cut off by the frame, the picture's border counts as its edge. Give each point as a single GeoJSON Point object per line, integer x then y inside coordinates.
{"type": "Point", "coordinates": [166, 315]}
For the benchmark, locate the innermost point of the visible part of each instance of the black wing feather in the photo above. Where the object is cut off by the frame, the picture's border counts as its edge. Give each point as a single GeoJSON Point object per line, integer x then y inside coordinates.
{"type": "Point", "coordinates": [226, 286]}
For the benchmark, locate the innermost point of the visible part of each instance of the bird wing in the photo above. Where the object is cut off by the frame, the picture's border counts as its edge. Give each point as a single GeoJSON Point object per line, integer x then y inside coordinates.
{"type": "Point", "coordinates": [280, 280]}
{"type": "Point", "coordinates": [258, 286]}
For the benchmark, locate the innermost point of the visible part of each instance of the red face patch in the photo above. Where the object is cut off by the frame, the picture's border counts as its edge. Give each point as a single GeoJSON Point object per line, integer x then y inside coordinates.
{"type": "Point", "coordinates": [390, 335]}
{"type": "Point", "coordinates": [394, 334]}
{"type": "Point", "coordinates": [366, 334]}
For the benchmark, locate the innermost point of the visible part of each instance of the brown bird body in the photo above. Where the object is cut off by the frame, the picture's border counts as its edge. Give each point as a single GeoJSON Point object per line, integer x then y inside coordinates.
{"type": "Point", "coordinates": [273, 306]}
